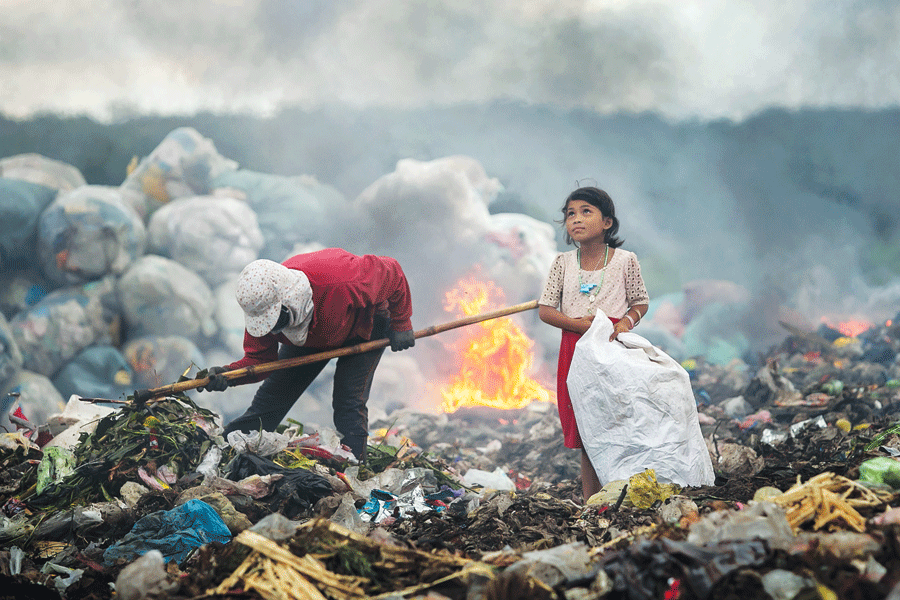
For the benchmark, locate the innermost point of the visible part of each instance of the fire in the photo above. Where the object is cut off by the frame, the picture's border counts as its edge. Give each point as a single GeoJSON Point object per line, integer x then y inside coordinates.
{"type": "Point", "coordinates": [495, 358]}
{"type": "Point", "coordinates": [850, 328]}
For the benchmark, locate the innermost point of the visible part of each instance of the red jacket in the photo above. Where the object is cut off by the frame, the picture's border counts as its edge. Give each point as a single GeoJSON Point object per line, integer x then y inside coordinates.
{"type": "Point", "coordinates": [348, 291]}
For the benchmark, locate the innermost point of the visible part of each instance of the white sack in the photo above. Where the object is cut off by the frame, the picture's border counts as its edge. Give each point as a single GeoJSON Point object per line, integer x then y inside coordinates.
{"type": "Point", "coordinates": [635, 409]}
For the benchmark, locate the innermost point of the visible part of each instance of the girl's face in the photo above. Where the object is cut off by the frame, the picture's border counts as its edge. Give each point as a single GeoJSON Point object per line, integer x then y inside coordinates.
{"type": "Point", "coordinates": [585, 222]}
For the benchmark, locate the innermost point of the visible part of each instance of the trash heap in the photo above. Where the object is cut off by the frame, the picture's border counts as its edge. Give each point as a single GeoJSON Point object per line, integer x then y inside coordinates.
{"type": "Point", "coordinates": [150, 499]}
{"type": "Point", "coordinates": [110, 289]}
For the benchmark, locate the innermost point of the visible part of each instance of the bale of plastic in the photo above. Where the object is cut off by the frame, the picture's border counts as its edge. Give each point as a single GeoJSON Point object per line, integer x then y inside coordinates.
{"type": "Point", "coordinates": [41, 170]}
{"type": "Point", "coordinates": [519, 253]}
{"type": "Point", "coordinates": [87, 233]}
{"type": "Point", "coordinates": [97, 372]}
{"type": "Point", "coordinates": [10, 357]}
{"type": "Point", "coordinates": [716, 333]}
{"type": "Point", "coordinates": [36, 395]}
{"type": "Point", "coordinates": [159, 360]}
{"type": "Point", "coordinates": [214, 237]}
{"type": "Point", "coordinates": [229, 317]}
{"type": "Point", "coordinates": [20, 290]}
{"type": "Point", "coordinates": [163, 297]}
{"type": "Point", "coordinates": [65, 322]}
{"type": "Point", "coordinates": [21, 204]}
{"type": "Point", "coordinates": [289, 210]}
{"type": "Point", "coordinates": [184, 164]}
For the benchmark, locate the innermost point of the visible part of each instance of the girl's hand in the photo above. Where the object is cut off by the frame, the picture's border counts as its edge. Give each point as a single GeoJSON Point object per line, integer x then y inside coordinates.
{"type": "Point", "coordinates": [583, 324]}
{"type": "Point", "coordinates": [620, 326]}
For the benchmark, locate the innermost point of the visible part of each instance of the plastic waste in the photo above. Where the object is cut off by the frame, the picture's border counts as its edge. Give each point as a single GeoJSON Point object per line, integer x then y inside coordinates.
{"type": "Point", "coordinates": [184, 164]}
{"type": "Point", "coordinates": [347, 515]}
{"type": "Point", "coordinates": [882, 469]}
{"type": "Point", "coordinates": [785, 585]}
{"type": "Point", "coordinates": [64, 575]}
{"type": "Point", "coordinates": [40, 170]}
{"type": "Point", "coordinates": [87, 233]}
{"type": "Point", "coordinates": [261, 443]}
{"type": "Point", "coordinates": [276, 527]}
{"type": "Point", "coordinates": [215, 237]}
{"type": "Point", "coordinates": [96, 372]}
{"type": "Point", "coordinates": [56, 464]}
{"type": "Point", "coordinates": [156, 360]}
{"type": "Point", "coordinates": [656, 428]}
{"type": "Point", "coordinates": [644, 490]}
{"type": "Point", "coordinates": [162, 297]}
{"type": "Point", "coordinates": [20, 290]}
{"type": "Point", "coordinates": [65, 322]}
{"type": "Point", "coordinates": [766, 493]}
{"type": "Point", "coordinates": [565, 564]}
{"type": "Point", "coordinates": [77, 417]}
{"type": "Point", "coordinates": [610, 494]}
{"type": "Point", "coordinates": [146, 577]}
{"type": "Point", "coordinates": [642, 570]}
{"type": "Point", "coordinates": [736, 460]}
{"type": "Point", "coordinates": [21, 204]}
{"type": "Point", "coordinates": [35, 395]}
{"type": "Point", "coordinates": [292, 495]}
{"type": "Point", "coordinates": [289, 210]}
{"type": "Point", "coordinates": [764, 520]}
{"type": "Point", "coordinates": [489, 480]}
{"type": "Point", "coordinates": [10, 357]}
{"type": "Point", "coordinates": [174, 533]}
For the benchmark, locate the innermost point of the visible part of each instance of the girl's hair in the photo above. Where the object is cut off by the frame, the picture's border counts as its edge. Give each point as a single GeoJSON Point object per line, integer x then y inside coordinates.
{"type": "Point", "coordinates": [596, 197]}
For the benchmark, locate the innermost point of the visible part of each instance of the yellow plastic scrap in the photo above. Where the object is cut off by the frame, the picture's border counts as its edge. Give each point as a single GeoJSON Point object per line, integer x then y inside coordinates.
{"type": "Point", "coordinates": [644, 490]}
{"type": "Point", "coordinates": [844, 425]}
{"type": "Point", "coordinates": [841, 342]}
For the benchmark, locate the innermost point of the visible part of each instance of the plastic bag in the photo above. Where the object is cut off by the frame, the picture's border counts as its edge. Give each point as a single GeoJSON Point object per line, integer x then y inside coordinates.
{"type": "Point", "coordinates": [162, 297]}
{"type": "Point", "coordinates": [882, 469]}
{"type": "Point", "coordinates": [10, 357]}
{"type": "Point", "coordinates": [212, 236]}
{"type": "Point", "coordinates": [21, 204]}
{"type": "Point", "coordinates": [159, 360]}
{"type": "Point", "coordinates": [289, 210]}
{"type": "Point", "coordinates": [183, 164]}
{"type": "Point", "coordinates": [635, 409]}
{"type": "Point", "coordinates": [20, 290]}
{"type": "Point", "coordinates": [88, 233]}
{"type": "Point", "coordinates": [37, 397]}
{"type": "Point", "coordinates": [97, 372]}
{"type": "Point", "coordinates": [145, 578]}
{"type": "Point", "coordinates": [174, 533]}
{"type": "Point", "coordinates": [66, 321]}
{"type": "Point", "coordinates": [42, 171]}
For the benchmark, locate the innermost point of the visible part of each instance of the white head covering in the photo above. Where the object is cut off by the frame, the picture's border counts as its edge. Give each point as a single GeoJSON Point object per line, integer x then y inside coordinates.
{"type": "Point", "coordinates": [264, 286]}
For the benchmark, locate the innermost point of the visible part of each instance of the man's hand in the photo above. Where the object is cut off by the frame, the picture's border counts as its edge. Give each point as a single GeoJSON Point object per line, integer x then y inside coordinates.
{"type": "Point", "coordinates": [401, 340]}
{"type": "Point", "coordinates": [217, 381]}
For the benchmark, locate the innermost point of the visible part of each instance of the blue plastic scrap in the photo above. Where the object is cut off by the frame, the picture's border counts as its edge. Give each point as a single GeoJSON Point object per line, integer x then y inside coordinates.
{"type": "Point", "coordinates": [175, 533]}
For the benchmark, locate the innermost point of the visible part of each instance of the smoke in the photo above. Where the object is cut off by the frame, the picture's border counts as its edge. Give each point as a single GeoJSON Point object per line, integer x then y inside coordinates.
{"type": "Point", "coordinates": [691, 59]}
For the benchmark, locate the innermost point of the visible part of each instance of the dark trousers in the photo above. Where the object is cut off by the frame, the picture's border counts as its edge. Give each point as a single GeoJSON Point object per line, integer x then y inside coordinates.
{"type": "Point", "coordinates": [352, 383]}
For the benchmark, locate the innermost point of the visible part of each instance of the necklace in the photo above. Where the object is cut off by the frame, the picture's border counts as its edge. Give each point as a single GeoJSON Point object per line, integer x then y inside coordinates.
{"type": "Point", "coordinates": [592, 289]}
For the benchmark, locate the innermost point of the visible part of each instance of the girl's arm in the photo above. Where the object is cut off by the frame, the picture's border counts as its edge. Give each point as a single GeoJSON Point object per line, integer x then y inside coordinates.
{"type": "Point", "coordinates": [629, 320]}
{"type": "Point", "coordinates": [552, 316]}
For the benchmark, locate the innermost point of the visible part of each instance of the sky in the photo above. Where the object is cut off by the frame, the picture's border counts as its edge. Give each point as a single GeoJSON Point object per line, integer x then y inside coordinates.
{"type": "Point", "coordinates": [691, 59]}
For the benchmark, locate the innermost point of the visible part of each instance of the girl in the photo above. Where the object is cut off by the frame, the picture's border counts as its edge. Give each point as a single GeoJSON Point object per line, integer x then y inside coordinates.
{"type": "Point", "coordinates": [598, 274]}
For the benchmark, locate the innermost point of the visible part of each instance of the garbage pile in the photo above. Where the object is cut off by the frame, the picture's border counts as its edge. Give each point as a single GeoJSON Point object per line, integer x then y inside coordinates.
{"type": "Point", "coordinates": [151, 501]}
{"type": "Point", "coordinates": [108, 290]}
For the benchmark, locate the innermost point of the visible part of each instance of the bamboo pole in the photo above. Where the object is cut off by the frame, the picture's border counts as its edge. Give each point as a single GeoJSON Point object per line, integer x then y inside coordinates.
{"type": "Point", "coordinates": [190, 384]}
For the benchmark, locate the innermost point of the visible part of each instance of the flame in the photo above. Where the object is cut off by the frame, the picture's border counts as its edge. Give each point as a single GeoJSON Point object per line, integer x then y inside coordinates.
{"type": "Point", "coordinates": [495, 357]}
{"type": "Point", "coordinates": [851, 327]}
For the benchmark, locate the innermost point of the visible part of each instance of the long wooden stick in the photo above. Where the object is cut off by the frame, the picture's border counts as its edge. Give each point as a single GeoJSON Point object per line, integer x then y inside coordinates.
{"type": "Point", "coordinates": [277, 365]}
